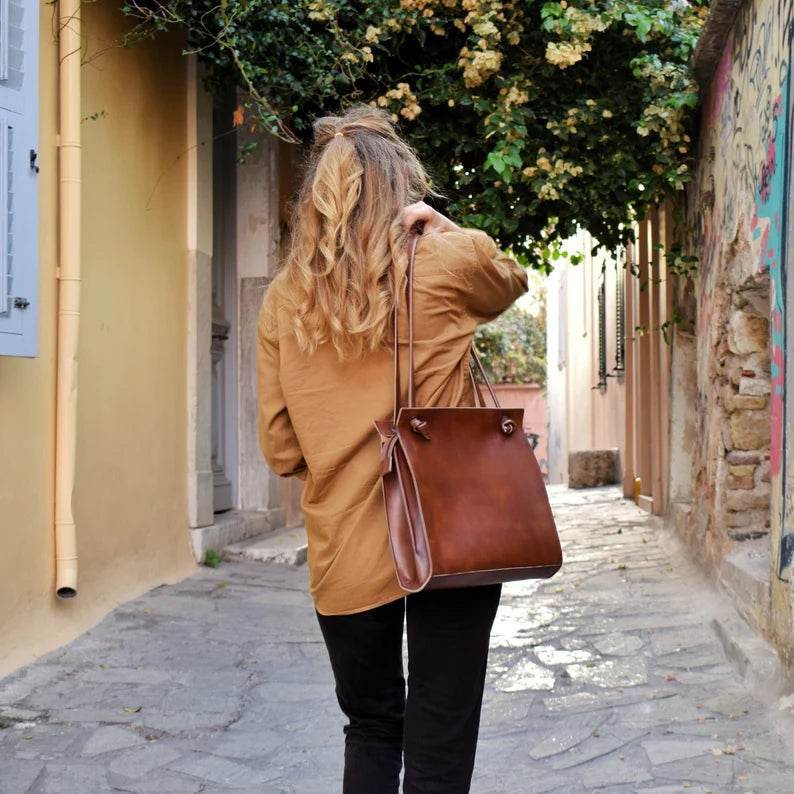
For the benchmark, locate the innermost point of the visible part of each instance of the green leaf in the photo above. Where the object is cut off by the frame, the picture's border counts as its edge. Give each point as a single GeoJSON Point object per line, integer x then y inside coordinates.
{"type": "Point", "coordinates": [496, 162]}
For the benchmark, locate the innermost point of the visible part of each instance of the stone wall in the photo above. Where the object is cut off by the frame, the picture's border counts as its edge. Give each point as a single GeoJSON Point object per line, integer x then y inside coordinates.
{"type": "Point", "coordinates": [739, 212]}
{"type": "Point", "coordinates": [744, 475]}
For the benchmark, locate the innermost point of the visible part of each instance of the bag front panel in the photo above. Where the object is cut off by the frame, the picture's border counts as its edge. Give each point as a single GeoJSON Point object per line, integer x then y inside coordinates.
{"type": "Point", "coordinates": [480, 491]}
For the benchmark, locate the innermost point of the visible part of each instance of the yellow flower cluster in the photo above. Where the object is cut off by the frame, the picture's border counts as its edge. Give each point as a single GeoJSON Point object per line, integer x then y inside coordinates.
{"type": "Point", "coordinates": [544, 164]}
{"type": "Point", "coordinates": [364, 55]}
{"type": "Point", "coordinates": [564, 167]}
{"type": "Point", "coordinates": [419, 5]}
{"type": "Point", "coordinates": [319, 11]}
{"type": "Point", "coordinates": [372, 36]}
{"type": "Point", "coordinates": [566, 53]}
{"type": "Point", "coordinates": [668, 122]}
{"type": "Point", "coordinates": [479, 66]}
{"type": "Point", "coordinates": [557, 172]}
{"type": "Point", "coordinates": [485, 19]}
{"type": "Point", "coordinates": [514, 96]}
{"type": "Point", "coordinates": [548, 192]}
{"type": "Point", "coordinates": [485, 27]}
{"type": "Point", "coordinates": [404, 95]}
{"type": "Point", "coordinates": [583, 23]}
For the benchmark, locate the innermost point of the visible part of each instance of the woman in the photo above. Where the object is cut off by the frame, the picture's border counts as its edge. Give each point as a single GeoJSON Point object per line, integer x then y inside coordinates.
{"type": "Point", "coordinates": [325, 374]}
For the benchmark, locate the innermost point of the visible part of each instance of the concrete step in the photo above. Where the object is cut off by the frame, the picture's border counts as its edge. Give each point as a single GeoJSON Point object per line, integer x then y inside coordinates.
{"type": "Point", "coordinates": [286, 546]}
{"type": "Point", "coordinates": [744, 578]}
{"type": "Point", "coordinates": [754, 658]}
{"type": "Point", "coordinates": [233, 527]}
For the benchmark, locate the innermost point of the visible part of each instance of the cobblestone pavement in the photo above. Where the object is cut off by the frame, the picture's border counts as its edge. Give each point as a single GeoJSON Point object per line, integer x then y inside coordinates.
{"type": "Point", "coordinates": [610, 677]}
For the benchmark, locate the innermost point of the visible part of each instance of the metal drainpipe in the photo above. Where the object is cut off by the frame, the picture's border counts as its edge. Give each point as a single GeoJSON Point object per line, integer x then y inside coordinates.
{"type": "Point", "coordinates": [69, 220]}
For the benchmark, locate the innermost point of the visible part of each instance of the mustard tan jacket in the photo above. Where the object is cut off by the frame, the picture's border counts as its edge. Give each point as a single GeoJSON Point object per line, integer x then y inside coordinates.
{"type": "Point", "coordinates": [316, 413]}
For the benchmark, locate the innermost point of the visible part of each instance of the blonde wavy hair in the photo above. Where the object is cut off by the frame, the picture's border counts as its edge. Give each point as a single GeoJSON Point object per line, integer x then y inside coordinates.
{"type": "Point", "coordinates": [347, 261]}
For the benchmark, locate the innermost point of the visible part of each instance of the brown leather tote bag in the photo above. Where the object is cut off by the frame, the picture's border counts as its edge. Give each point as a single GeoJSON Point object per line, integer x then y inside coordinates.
{"type": "Point", "coordinates": [465, 500]}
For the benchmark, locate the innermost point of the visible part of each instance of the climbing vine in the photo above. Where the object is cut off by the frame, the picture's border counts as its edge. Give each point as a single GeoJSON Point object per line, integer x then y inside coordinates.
{"type": "Point", "coordinates": [533, 117]}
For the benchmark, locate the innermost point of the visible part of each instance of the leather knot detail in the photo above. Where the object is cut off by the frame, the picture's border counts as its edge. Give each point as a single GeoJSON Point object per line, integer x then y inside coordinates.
{"type": "Point", "coordinates": [419, 426]}
{"type": "Point", "coordinates": [508, 426]}
{"type": "Point", "coordinates": [387, 454]}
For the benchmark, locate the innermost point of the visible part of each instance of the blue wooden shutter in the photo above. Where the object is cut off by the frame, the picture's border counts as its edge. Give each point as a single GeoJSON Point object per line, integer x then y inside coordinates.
{"type": "Point", "coordinates": [19, 99]}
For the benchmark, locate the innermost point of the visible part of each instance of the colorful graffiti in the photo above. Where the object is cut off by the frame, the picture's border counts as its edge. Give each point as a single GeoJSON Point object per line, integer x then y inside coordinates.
{"type": "Point", "coordinates": [744, 176]}
{"type": "Point", "coordinates": [771, 207]}
{"type": "Point", "coordinates": [766, 227]}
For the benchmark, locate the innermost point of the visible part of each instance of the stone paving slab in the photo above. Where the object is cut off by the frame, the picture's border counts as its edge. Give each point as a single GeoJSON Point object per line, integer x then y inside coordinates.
{"type": "Point", "coordinates": [287, 546]}
{"type": "Point", "coordinates": [610, 677]}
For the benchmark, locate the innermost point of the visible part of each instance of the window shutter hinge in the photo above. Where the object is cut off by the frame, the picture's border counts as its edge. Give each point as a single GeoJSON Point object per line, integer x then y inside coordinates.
{"type": "Point", "coordinates": [33, 157]}
{"type": "Point", "coordinates": [21, 303]}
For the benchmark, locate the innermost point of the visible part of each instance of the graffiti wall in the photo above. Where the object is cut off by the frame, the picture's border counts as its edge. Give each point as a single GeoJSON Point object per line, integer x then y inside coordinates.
{"type": "Point", "coordinates": [739, 210]}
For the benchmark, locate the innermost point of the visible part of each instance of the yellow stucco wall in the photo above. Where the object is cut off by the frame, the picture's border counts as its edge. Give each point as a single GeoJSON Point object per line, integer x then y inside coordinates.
{"type": "Point", "coordinates": [130, 500]}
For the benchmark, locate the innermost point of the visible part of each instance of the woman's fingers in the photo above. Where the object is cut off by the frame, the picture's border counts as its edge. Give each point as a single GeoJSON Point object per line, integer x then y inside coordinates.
{"type": "Point", "coordinates": [422, 218]}
{"type": "Point", "coordinates": [418, 214]}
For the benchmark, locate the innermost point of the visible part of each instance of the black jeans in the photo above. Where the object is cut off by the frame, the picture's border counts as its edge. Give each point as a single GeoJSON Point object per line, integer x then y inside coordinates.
{"type": "Point", "coordinates": [435, 728]}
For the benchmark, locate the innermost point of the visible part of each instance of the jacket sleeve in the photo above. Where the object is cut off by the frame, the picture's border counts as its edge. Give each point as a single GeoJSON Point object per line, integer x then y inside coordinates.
{"type": "Point", "coordinates": [276, 435]}
{"type": "Point", "coordinates": [496, 280]}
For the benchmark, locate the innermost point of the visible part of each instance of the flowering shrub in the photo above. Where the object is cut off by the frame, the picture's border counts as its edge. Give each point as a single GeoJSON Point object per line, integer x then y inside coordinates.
{"type": "Point", "coordinates": [513, 347]}
{"type": "Point", "coordinates": [534, 117]}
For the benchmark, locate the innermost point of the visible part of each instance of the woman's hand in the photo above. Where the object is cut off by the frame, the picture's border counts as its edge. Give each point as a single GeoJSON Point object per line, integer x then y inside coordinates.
{"type": "Point", "coordinates": [423, 218]}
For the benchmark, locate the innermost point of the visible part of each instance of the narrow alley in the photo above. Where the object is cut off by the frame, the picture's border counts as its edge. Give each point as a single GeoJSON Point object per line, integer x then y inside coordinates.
{"type": "Point", "coordinates": [626, 672]}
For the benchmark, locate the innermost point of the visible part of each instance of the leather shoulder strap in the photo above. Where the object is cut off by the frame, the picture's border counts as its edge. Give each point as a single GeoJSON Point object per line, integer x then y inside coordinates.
{"type": "Point", "coordinates": [410, 307]}
{"type": "Point", "coordinates": [409, 293]}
